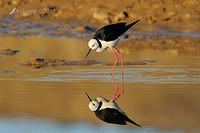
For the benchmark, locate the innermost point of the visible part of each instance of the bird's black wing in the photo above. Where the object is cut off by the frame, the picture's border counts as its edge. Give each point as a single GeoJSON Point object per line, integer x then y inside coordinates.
{"type": "Point", "coordinates": [110, 32]}
{"type": "Point", "coordinates": [110, 115]}
{"type": "Point", "coordinates": [113, 31]}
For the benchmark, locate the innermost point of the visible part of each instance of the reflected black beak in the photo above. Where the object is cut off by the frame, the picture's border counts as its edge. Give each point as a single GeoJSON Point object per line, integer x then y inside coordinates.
{"type": "Point", "coordinates": [88, 97]}
{"type": "Point", "coordinates": [88, 53]}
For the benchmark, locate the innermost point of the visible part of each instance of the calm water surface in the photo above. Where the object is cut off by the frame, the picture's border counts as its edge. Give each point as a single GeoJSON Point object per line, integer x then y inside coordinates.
{"type": "Point", "coordinates": [162, 96]}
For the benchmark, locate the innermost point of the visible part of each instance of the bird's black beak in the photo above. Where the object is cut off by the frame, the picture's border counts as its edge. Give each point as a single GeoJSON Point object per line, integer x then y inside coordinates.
{"type": "Point", "coordinates": [88, 53]}
{"type": "Point", "coordinates": [88, 97]}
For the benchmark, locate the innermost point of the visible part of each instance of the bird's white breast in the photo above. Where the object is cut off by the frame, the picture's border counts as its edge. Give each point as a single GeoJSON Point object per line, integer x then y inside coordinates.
{"type": "Point", "coordinates": [107, 44]}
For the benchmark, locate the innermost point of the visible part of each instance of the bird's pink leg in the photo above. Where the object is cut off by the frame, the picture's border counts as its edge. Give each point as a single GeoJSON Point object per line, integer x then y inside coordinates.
{"type": "Point", "coordinates": [117, 89]}
{"type": "Point", "coordinates": [122, 84]}
{"type": "Point", "coordinates": [116, 59]}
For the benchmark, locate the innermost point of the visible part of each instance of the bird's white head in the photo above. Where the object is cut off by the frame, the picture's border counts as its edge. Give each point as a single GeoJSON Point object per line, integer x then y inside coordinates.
{"type": "Point", "coordinates": [93, 44]}
{"type": "Point", "coordinates": [94, 104]}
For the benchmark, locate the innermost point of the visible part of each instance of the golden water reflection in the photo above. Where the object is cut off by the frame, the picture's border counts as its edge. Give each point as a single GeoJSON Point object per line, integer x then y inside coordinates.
{"type": "Point", "coordinates": [162, 94]}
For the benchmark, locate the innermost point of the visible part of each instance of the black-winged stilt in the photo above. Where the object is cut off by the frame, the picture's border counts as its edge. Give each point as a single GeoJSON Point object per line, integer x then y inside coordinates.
{"type": "Point", "coordinates": [109, 111]}
{"type": "Point", "coordinates": [108, 37]}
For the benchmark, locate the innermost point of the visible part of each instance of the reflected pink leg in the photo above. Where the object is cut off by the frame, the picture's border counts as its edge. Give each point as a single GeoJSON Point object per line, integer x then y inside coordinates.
{"type": "Point", "coordinates": [122, 84]}
{"type": "Point", "coordinates": [117, 89]}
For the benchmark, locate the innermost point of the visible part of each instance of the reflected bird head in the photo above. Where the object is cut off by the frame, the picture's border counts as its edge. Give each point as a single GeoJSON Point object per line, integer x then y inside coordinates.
{"type": "Point", "coordinates": [88, 97]}
{"type": "Point", "coordinates": [94, 104]}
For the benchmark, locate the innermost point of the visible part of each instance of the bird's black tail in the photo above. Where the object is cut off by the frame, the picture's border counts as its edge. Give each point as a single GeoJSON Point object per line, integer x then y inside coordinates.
{"type": "Point", "coordinates": [130, 25]}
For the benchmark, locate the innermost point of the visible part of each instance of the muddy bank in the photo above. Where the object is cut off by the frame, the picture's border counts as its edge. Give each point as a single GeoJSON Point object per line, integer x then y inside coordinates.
{"type": "Point", "coordinates": [45, 62]}
{"type": "Point", "coordinates": [8, 52]}
{"type": "Point", "coordinates": [173, 15]}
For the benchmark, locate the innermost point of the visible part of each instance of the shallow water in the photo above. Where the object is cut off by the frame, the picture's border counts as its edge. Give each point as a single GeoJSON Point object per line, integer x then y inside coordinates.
{"type": "Point", "coordinates": [162, 96]}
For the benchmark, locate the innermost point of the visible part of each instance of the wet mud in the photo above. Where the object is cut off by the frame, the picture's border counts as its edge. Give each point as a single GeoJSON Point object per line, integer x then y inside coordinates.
{"type": "Point", "coordinates": [42, 62]}
{"type": "Point", "coordinates": [8, 52]}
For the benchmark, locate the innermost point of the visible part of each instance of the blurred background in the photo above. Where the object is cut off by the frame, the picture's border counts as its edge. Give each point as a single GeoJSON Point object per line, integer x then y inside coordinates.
{"type": "Point", "coordinates": [43, 80]}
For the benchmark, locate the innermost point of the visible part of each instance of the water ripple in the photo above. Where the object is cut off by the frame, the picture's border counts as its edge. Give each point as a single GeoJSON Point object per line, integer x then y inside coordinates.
{"type": "Point", "coordinates": [159, 75]}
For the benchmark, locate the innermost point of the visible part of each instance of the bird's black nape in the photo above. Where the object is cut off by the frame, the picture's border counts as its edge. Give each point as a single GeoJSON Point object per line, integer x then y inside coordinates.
{"type": "Point", "coordinates": [88, 97]}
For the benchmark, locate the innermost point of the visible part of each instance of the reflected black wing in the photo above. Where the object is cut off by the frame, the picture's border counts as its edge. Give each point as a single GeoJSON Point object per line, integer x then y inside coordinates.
{"type": "Point", "coordinates": [131, 121]}
{"type": "Point", "coordinates": [110, 115]}
{"type": "Point", "coordinates": [114, 116]}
